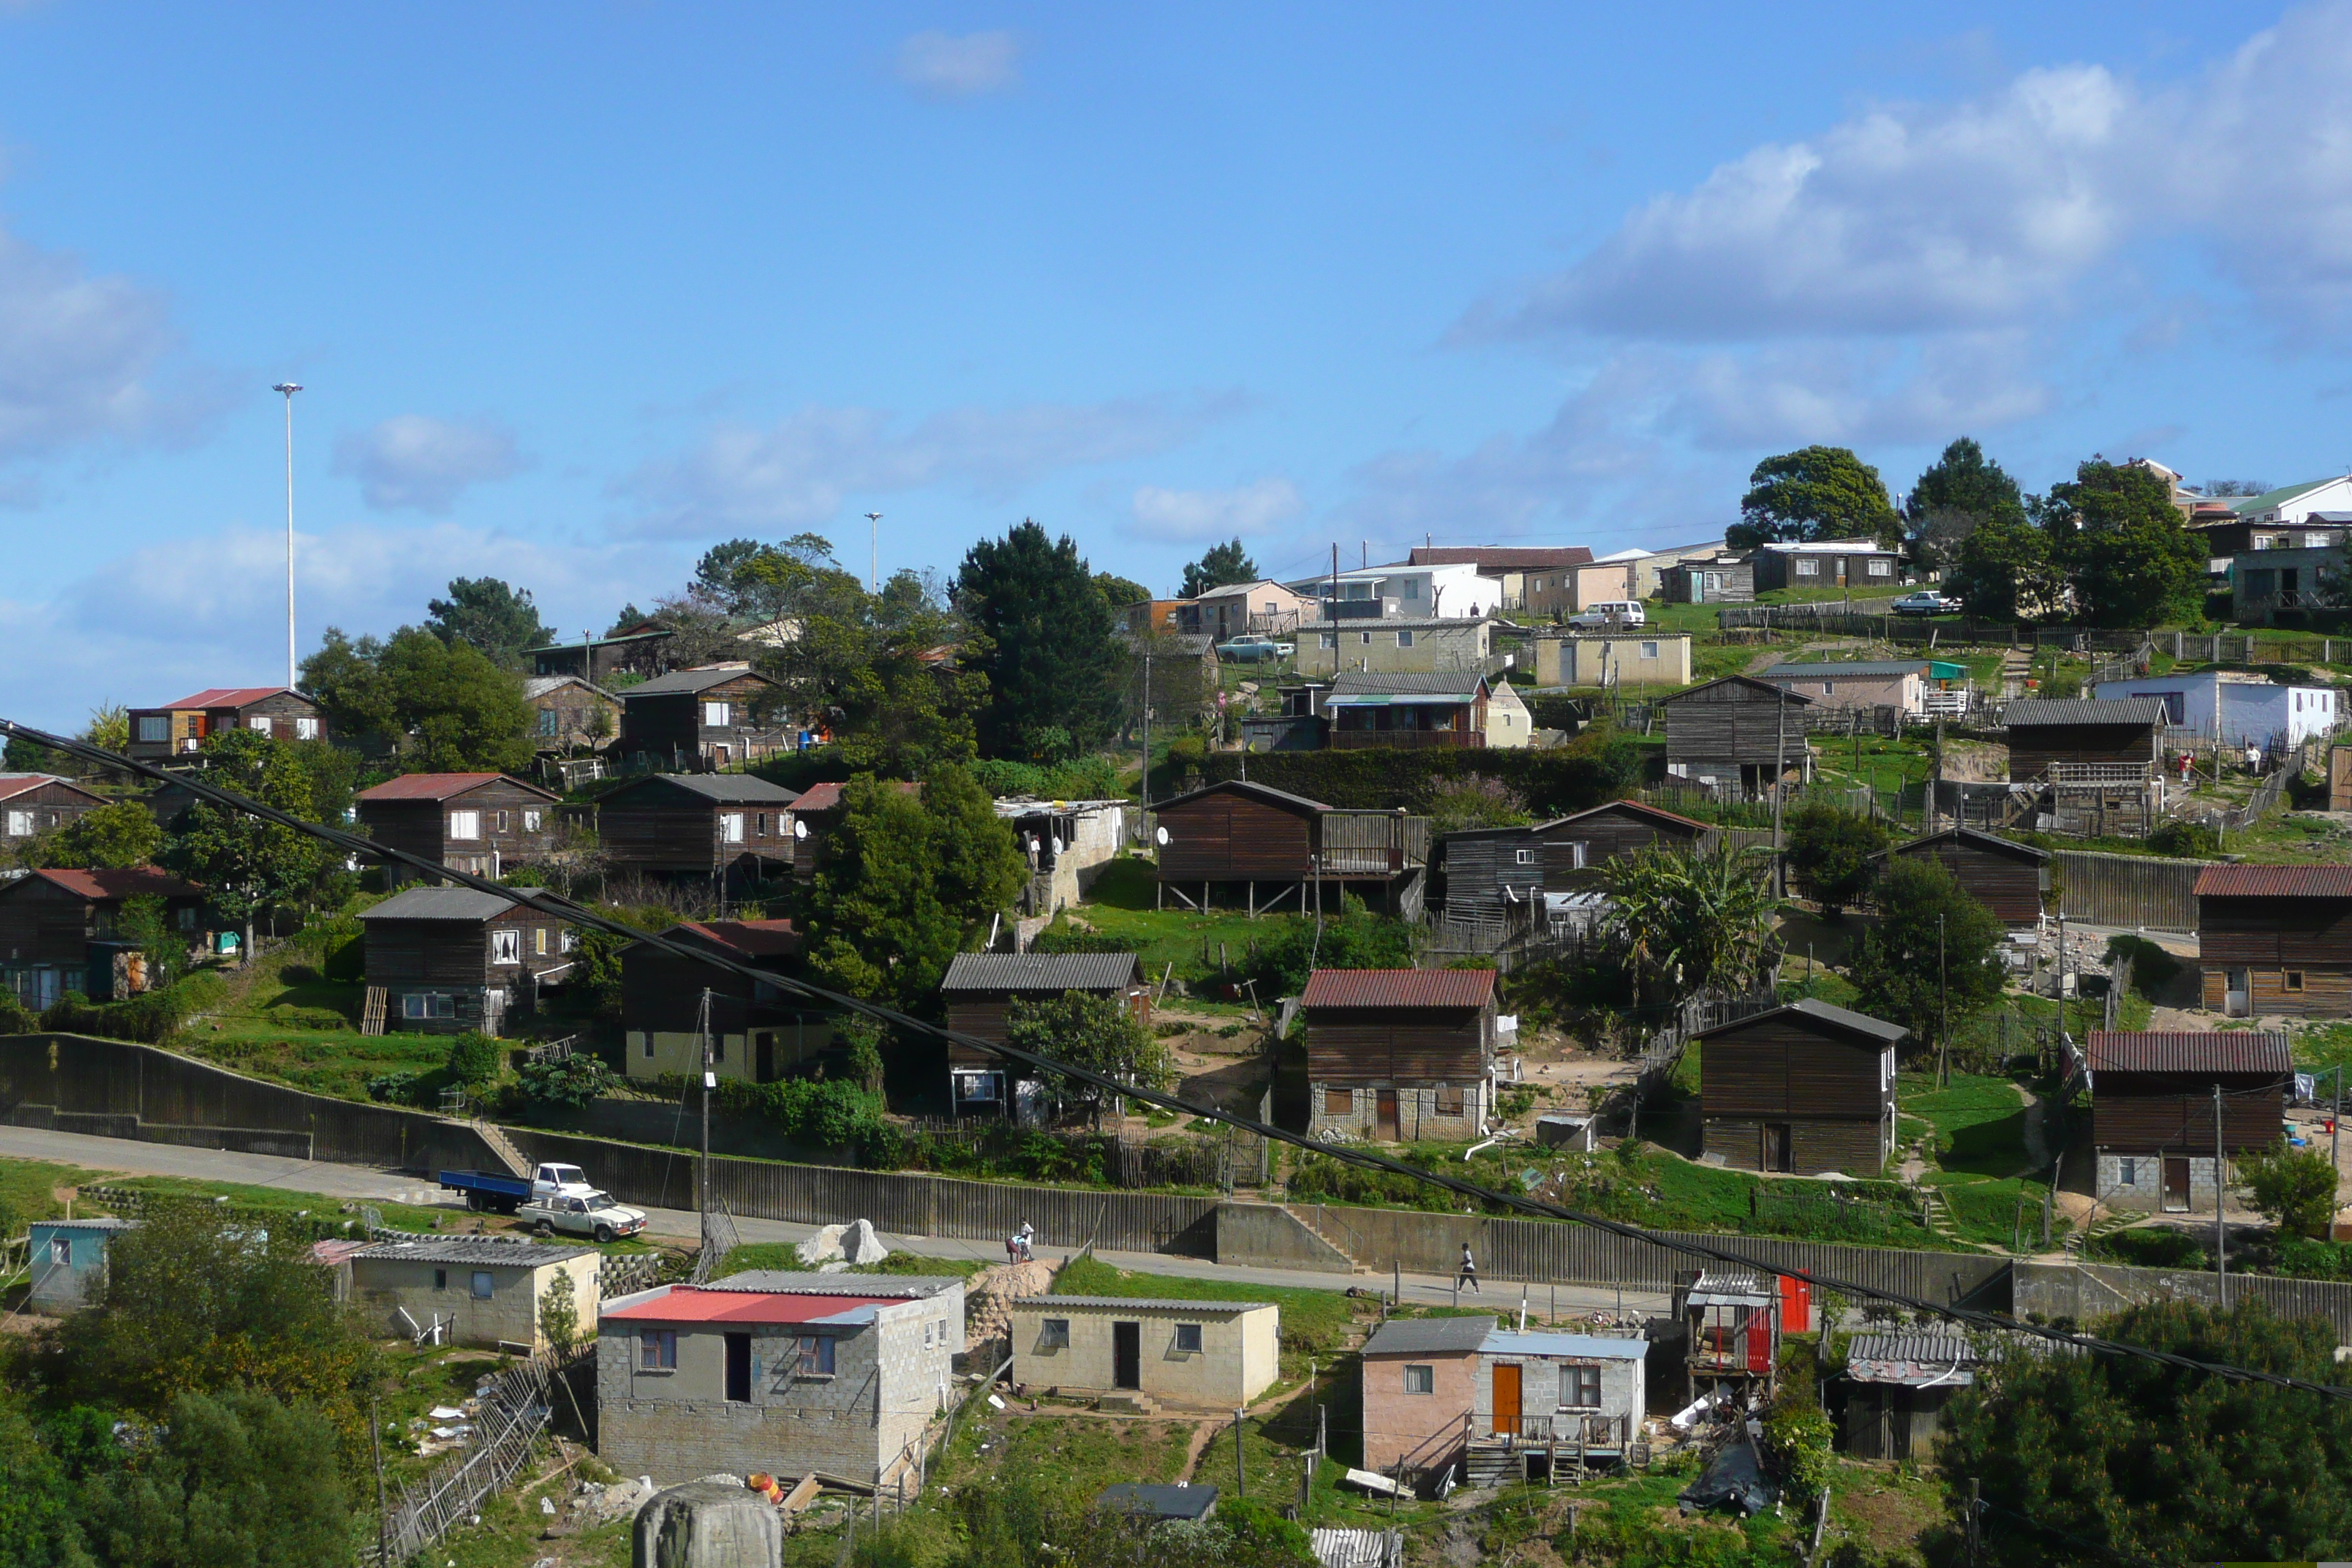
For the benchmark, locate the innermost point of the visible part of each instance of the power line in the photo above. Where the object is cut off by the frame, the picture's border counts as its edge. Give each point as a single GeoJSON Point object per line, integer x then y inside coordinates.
{"type": "Point", "coordinates": [566, 909]}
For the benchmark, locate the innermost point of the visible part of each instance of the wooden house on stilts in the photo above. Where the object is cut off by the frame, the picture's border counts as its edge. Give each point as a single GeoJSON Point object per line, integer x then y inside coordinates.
{"type": "Point", "coordinates": [1267, 849]}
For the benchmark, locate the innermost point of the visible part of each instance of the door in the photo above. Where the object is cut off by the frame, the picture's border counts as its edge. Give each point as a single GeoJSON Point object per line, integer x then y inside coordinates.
{"type": "Point", "coordinates": [1776, 1146]}
{"type": "Point", "coordinates": [1127, 1355]}
{"type": "Point", "coordinates": [1507, 1399]}
{"type": "Point", "coordinates": [1384, 1115]}
{"type": "Point", "coordinates": [739, 1368]}
{"type": "Point", "coordinates": [2239, 1001]}
{"type": "Point", "coordinates": [2176, 1183]}
{"type": "Point", "coordinates": [767, 1068]}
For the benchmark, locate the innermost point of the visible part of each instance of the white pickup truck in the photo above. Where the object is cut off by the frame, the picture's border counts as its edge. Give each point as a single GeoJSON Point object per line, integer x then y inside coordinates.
{"type": "Point", "coordinates": [595, 1215]}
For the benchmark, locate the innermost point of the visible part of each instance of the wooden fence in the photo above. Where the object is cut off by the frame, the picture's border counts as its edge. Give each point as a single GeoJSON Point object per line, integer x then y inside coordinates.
{"type": "Point", "coordinates": [2127, 890]}
{"type": "Point", "coordinates": [513, 1413]}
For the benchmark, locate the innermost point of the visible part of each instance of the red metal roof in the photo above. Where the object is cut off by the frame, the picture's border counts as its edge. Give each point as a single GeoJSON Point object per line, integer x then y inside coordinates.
{"type": "Point", "coordinates": [122, 884]}
{"type": "Point", "coordinates": [691, 1304]}
{"type": "Point", "coordinates": [826, 796]}
{"type": "Point", "coordinates": [753, 939]}
{"type": "Point", "coordinates": [17, 784]}
{"type": "Point", "coordinates": [426, 786]}
{"type": "Point", "coordinates": [2182, 1050]}
{"type": "Point", "coordinates": [2274, 882]}
{"type": "Point", "coordinates": [1399, 988]}
{"type": "Point", "coordinates": [1503, 558]}
{"type": "Point", "coordinates": [228, 697]}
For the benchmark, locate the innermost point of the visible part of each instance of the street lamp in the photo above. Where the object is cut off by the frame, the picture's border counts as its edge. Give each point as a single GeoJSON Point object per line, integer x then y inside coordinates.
{"type": "Point", "coordinates": [874, 565]}
{"type": "Point", "coordinates": [289, 388]}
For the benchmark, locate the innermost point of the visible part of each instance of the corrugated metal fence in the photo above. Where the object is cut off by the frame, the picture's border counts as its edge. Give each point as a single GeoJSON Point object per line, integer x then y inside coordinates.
{"type": "Point", "coordinates": [2127, 890]}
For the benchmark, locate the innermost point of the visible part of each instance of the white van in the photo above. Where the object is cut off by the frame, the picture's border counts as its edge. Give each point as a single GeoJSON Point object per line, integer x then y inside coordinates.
{"type": "Point", "coordinates": [1608, 614]}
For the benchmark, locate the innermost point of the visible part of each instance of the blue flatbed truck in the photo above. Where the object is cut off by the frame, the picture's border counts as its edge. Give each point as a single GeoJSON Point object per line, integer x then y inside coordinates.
{"type": "Point", "coordinates": [496, 1190]}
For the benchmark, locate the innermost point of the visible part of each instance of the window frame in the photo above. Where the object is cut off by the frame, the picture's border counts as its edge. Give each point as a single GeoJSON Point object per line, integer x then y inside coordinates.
{"type": "Point", "coordinates": [2292, 980]}
{"type": "Point", "coordinates": [1053, 1333]}
{"type": "Point", "coordinates": [731, 827]}
{"type": "Point", "coordinates": [715, 715]}
{"type": "Point", "coordinates": [1423, 1373]}
{"type": "Point", "coordinates": [465, 826]}
{"type": "Point", "coordinates": [155, 728]}
{"type": "Point", "coordinates": [506, 944]}
{"type": "Point", "coordinates": [1577, 1380]}
{"type": "Point", "coordinates": [483, 1286]}
{"type": "Point", "coordinates": [1404, 639]}
{"type": "Point", "coordinates": [814, 1356]}
{"type": "Point", "coordinates": [1523, 857]}
{"type": "Point", "coordinates": [1338, 1101]}
{"type": "Point", "coordinates": [1649, 650]}
{"type": "Point", "coordinates": [1182, 1347]}
{"type": "Point", "coordinates": [658, 1349]}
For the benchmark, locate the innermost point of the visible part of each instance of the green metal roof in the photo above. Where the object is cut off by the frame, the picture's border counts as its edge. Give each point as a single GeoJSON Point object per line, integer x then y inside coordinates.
{"type": "Point", "coordinates": [2250, 506]}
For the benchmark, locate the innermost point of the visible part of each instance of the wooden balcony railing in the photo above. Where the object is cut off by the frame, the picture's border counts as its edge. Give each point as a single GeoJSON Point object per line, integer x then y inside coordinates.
{"type": "Point", "coordinates": [1373, 843]}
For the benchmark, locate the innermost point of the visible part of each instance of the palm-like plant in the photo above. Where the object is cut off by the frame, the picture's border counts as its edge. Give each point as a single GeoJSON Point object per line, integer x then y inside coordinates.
{"type": "Point", "coordinates": [1695, 921]}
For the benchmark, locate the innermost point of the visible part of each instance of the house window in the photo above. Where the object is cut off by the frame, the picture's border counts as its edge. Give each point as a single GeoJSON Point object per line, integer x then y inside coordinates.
{"type": "Point", "coordinates": [187, 917]}
{"type": "Point", "coordinates": [1366, 638]}
{"type": "Point", "coordinates": [649, 1045]}
{"type": "Point", "coordinates": [1187, 1338]}
{"type": "Point", "coordinates": [2293, 980]}
{"type": "Point", "coordinates": [658, 1349]}
{"type": "Point", "coordinates": [714, 714]}
{"type": "Point", "coordinates": [548, 721]}
{"type": "Point", "coordinates": [306, 728]}
{"type": "Point", "coordinates": [465, 825]}
{"type": "Point", "coordinates": [62, 1251]}
{"type": "Point", "coordinates": [538, 942]}
{"type": "Point", "coordinates": [1882, 567]}
{"type": "Point", "coordinates": [1449, 1099]}
{"type": "Point", "coordinates": [1580, 1387]}
{"type": "Point", "coordinates": [20, 824]}
{"type": "Point", "coordinates": [1338, 1101]}
{"type": "Point", "coordinates": [1412, 587]}
{"type": "Point", "coordinates": [1420, 1379]}
{"type": "Point", "coordinates": [440, 1280]}
{"type": "Point", "coordinates": [1523, 857]}
{"type": "Point", "coordinates": [1808, 568]}
{"type": "Point", "coordinates": [1828, 687]}
{"type": "Point", "coordinates": [732, 827]}
{"type": "Point", "coordinates": [502, 822]}
{"type": "Point", "coordinates": [1649, 650]}
{"type": "Point", "coordinates": [759, 824]}
{"type": "Point", "coordinates": [482, 1284]}
{"type": "Point", "coordinates": [1054, 1334]}
{"type": "Point", "coordinates": [2127, 1173]}
{"type": "Point", "coordinates": [154, 726]}
{"type": "Point", "coordinates": [1332, 639]}
{"type": "Point", "coordinates": [816, 1356]}
{"type": "Point", "coordinates": [259, 723]}
{"type": "Point", "coordinates": [531, 822]}
{"type": "Point", "coordinates": [1404, 639]}
{"type": "Point", "coordinates": [568, 941]}
{"type": "Point", "coordinates": [428, 1005]}
{"type": "Point", "coordinates": [506, 945]}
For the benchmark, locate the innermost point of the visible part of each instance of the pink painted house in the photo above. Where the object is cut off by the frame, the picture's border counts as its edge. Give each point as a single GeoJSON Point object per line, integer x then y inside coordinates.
{"type": "Point", "coordinates": [1420, 1383]}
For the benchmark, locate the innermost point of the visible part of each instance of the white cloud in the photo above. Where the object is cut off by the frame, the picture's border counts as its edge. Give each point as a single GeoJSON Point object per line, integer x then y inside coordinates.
{"type": "Point", "coordinates": [1181, 516]}
{"type": "Point", "coordinates": [799, 470]}
{"type": "Point", "coordinates": [938, 65]}
{"type": "Point", "coordinates": [415, 460]}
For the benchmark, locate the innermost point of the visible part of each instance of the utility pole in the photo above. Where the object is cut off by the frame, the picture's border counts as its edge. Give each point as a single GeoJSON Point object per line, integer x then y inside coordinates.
{"type": "Point", "coordinates": [1148, 632]}
{"type": "Point", "coordinates": [289, 388]}
{"type": "Point", "coordinates": [2221, 1230]}
{"type": "Point", "coordinates": [710, 1082]}
{"type": "Point", "coordinates": [1943, 1004]}
{"type": "Point", "coordinates": [383, 1512]}
{"type": "Point", "coordinates": [1779, 770]}
{"type": "Point", "coordinates": [1241, 1476]}
{"type": "Point", "coordinates": [873, 562]}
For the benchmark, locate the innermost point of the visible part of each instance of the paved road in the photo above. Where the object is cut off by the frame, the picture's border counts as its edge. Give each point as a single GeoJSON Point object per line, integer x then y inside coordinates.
{"type": "Point", "coordinates": [363, 1182]}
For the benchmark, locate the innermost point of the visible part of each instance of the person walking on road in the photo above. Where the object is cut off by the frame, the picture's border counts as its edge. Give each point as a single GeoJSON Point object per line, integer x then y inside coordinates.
{"type": "Point", "coordinates": [1469, 1275]}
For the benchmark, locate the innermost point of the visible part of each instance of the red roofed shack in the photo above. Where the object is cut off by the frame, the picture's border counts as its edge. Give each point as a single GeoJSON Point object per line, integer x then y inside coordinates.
{"type": "Point", "coordinates": [485, 823]}
{"type": "Point", "coordinates": [2276, 940]}
{"type": "Point", "coordinates": [1401, 1053]}
{"type": "Point", "coordinates": [57, 931]}
{"type": "Point", "coordinates": [179, 729]}
{"type": "Point", "coordinates": [2153, 1110]}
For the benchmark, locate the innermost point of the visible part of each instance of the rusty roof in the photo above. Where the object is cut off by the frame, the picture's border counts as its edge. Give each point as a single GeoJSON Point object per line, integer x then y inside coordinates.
{"type": "Point", "coordinates": [753, 939]}
{"type": "Point", "coordinates": [2274, 882]}
{"type": "Point", "coordinates": [233, 697]}
{"type": "Point", "coordinates": [120, 884]}
{"type": "Point", "coordinates": [440, 786]}
{"type": "Point", "coordinates": [17, 784]}
{"type": "Point", "coordinates": [1281, 797]}
{"type": "Point", "coordinates": [825, 796]}
{"type": "Point", "coordinates": [1502, 557]}
{"type": "Point", "coordinates": [1399, 988]}
{"type": "Point", "coordinates": [2185, 1050]}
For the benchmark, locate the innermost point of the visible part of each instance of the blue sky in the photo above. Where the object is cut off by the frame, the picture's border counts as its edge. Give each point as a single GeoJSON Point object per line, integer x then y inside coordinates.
{"type": "Point", "coordinates": [579, 290]}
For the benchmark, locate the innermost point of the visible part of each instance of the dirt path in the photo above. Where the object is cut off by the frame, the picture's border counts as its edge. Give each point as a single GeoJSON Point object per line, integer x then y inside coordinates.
{"type": "Point", "coordinates": [1203, 1435]}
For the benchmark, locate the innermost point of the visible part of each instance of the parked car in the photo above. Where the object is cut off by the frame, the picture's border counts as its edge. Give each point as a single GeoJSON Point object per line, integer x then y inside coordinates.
{"type": "Point", "coordinates": [1252, 648]}
{"type": "Point", "coordinates": [1608, 615]}
{"type": "Point", "coordinates": [1926, 602]}
{"type": "Point", "coordinates": [599, 1215]}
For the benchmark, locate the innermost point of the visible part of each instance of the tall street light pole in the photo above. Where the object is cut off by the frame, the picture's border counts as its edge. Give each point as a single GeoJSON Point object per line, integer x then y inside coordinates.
{"type": "Point", "coordinates": [289, 388]}
{"type": "Point", "coordinates": [874, 565]}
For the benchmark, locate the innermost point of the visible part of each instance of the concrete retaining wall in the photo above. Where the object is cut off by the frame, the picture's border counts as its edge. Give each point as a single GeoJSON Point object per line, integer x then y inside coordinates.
{"type": "Point", "coordinates": [1266, 1236]}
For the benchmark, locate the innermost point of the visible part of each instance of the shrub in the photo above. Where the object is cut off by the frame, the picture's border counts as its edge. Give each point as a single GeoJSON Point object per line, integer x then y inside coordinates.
{"type": "Point", "coordinates": [1281, 962]}
{"type": "Point", "coordinates": [474, 1058]}
{"type": "Point", "coordinates": [2151, 966]}
{"type": "Point", "coordinates": [575, 1081]}
{"type": "Point", "coordinates": [400, 1087]}
{"type": "Point", "coordinates": [2186, 840]}
{"type": "Point", "coordinates": [150, 1019]}
{"type": "Point", "coordinates": [2151, 1247]}
{"type": "Point", "coordinates": [2294, 1188]}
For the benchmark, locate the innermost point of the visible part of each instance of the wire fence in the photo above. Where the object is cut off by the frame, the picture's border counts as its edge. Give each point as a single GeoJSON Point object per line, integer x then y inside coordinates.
{"type": "Point", "coordinates": [514, 1411]}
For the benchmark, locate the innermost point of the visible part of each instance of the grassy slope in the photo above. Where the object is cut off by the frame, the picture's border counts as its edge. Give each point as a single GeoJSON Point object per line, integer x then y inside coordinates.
{"type": "Point", "coordinates": [1119, 905]}
{"type": "Point", "coordinates": [1314, 1323]}
{"type": "Point", "coordinates": [27, 1189]}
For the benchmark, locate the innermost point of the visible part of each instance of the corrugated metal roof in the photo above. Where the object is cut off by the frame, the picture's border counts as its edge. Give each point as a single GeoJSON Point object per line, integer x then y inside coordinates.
{"type": "Point", "coordinates": [1399, 988]}
{"type": "Point", "coordinates": [1430, 1336]}
{"type": "Point", "coordinates": [1794, 699]}
{"type": "Point", "coordinates": [441, 786]}
{"type": "Point", "coordinates": [2038, 710]}
{"type": "Point", "coordinates": [880, 1287]}
{"type": "Point", "coordinates": [1614, 808]}
{"type": "Point", "coordinates": [1243, 787]}
{"type": "Point", "coordinates": [120, 882]}
{"type": "Point", "coordinates": [423, 904]}
{"type": "Point", "coordinates": [541, 685]}
{"type": "Point", "coordinates": [1146, 1303]}
{"type": "Point", "coordinates": [100, 1222]}
{"type": "Point", "coordinates": [231, 697]}
{"type": "Point", "coordinates": [1719, 1289]}
{"type": "Point", "coordinates": [1336, 1548]}
{"type": "Point", "coordinates": [463, 1249]}
{"type": "Point", "coordinates": [752, 939]}
{"type": "Point", "coordinates": [1155, 1500]}
{"type": "Point", "coordinates": [689, 680]}
{"type": "Point", "coordinates": [2186, 1050]}
{"type": "Point", "coordinates": [1828, 1013]}
{"type": "Point", "coordinates": [2274, 882]}
{"type": "Point", "coordinates": [1856, 668]}
{"type": "Point", "coordinates": [1915, 1361]}
{"type": "Point", "coordinates": [1975, 839]}
{"type": "Point", "coordinates": [1503, 1341]}
{"type": "Point", "coordinates": [1367, 685]}
{"type": "Point", "coordinates": [1053, 971]}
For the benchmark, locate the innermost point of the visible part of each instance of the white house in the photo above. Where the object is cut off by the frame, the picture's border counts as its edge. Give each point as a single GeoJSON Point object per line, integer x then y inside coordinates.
{"type": "Point", "coordinates": [1437, 591]}
{"type": "Point", "coordinates": [2236, 710]}
{"type": "Point", "coordinates": [2295, 503]}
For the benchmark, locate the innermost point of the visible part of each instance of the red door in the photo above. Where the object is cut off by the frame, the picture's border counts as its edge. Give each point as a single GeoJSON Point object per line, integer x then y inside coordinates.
{"type": "Point", "coordinates": [1760, 1341]}
{"type": "Point", "coordinates": [1796, 1304]}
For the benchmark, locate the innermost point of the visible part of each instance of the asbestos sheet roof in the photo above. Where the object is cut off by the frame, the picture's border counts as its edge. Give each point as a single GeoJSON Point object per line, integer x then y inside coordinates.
{"type": "Point", "coordinates": [1359, 686]}
{"type": "Point", "coordinates": [2274, 882]}
{"type": "Point", "coordinates": [1157, 1501]}
{"type": "Point", "coordinates": [1589, 1347]}
{"type": "Point", "coordinates": [439, 786]}
{"type": "Point", "coordinates": [1851, 670]}
{"type": "Point", "coordinates": [2183, 1050]}
{"type": "Point", "coordinates": [423, 904]}
{"type": "Point", "coordinates": [1913, 1360]}
{"type": "Point", "coordinates": [1502, 557]}
{"type": "Point", "coordinates": [690, 680]}
{"type": "Point", "coordinates": [876, 1286]}
{"type": "Point", "coordinates": [1430, 1336]}
{"type": "Point", "coordinates": [509, 1254]}
{"type": "Point", "coordinates": [1053, 971]}
{"type": "Point", "coordinates": [1728, 1290]}
{"type": "Point", "coordinates": [1399, 988]}
{"type": "Point", "coordinates": [1147, 1304]}
{"type": "Point", "coordinates": [2037, 711]}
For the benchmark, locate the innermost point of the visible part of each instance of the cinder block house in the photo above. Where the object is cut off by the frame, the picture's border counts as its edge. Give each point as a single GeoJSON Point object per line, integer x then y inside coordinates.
{"type": "Point", "coordinates": [1898, 683]}
{"type": "Point", "coordinates": [1396, 1053]}
{"type": "Point", "coordinates": [1207, 1355]}
{"type": "Point", "coordinates": [789, 1374]}
{"type": "Point", "coordinates": [1806, 1089]}
{"type": "Point", "coordinates": [1419, 1385]}
{"type": "Point", "coordinates": [1440, 1391]}
{"type": "Point", "coordinates": [476, 1291]}
{"type": "Point", "coordinates": [1610, 661]}
{"type": "Point", "coordinates": [2154, 1116]}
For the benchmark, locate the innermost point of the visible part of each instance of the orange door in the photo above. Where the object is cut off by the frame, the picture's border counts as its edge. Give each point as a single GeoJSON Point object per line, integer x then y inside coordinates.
{"type": "Point", "coordinates": [1507, 1399]}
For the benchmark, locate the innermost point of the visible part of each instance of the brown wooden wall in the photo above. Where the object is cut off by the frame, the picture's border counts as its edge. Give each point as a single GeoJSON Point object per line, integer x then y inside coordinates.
{"type": "Point", "coordinates": [1398, 1044]}
{"type": "Point", "coordinates": [2274, 932]}
{"type": "Point", "coordinates": [2011, 889]}
{"type": "Point", "coordinates": [1776, 1069]}
{"type": "Point", "coordinates": [1230, 837]}
{"type": "Point", "coordinates": [987, 1013]}
{"type": "Point", "coordinates": [421, 827]}
{"type": "Point", "coordinates": [1815, 1143]}
{"type": "Point", "coordinates": [662, 992]}
{"type": "Point", "coordinates": [458, 952]}
{"type": "Point", "coordinates": [2034, 747]}
{"type": "Point", "coordinates": [1609, 835]}
{"type": "Point", "coordinates": [672, 720]}
{"type": "Point", "coordinates": [2327, 991]}
{"type": "Point", "coordinates": [40, 922]}
{"type": "Point", "coordinates": [2143, 1113]}
{"type": "Point", "coordinates": [52, 805]}
{"type": "Point", "coordinates": [1733, 723]}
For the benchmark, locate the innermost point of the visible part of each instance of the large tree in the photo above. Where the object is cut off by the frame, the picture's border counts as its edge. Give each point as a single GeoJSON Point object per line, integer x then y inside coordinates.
{"type": "Point", "coordinates": [2124, 547]}
{"type": "Point", "coordinates": [1094, 1032]}
{"type": "Point", "coordinates": [1957, 494]}
{"type": "Point", "coordinates": [2086, 1458]}
{"type": "Point", "coordinates": [245, 864]}
{"type": "Point", "coordinates": [1818, 492]}
{"type": "Point", "coordinates": [1696, 920]}
{"type": "Point", "coordinates": [1219, 566]}
{"type": "Point", "coordinates": [1043, 637]}
{"type": "Point", "coordinates": [2002, 572]}
{"type": "Point", "coordinates": [1935, 952]}
{"type": "Point", "coordinates": [442, 706]}
{"type": "Point", "coordinates": [240, 1478]}
{"type": "Point", "coordinates": [491, 616]}
{"type": "Point", "coordinates": [1119, 592]}
{"type": "Point", "coordinates": [119, 834]}
{"type": "Point", "coordinates": [1830, 850]}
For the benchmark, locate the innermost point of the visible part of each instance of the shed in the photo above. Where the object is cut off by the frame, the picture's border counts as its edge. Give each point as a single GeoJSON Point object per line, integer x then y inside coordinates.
{"type": "Point", "coordinates": [1424, 709]}
{"type": "Point", "coordinates": [732, 827]}
{"type": "Point", "coordinates": [452, 959]}
{"type": "Point", "coordinates": [1613, 659]}
{"type": "Point", "coordinates": [1709, 577]}
{"type": "Point", "coordinates": [1807, 1088]}
{"type": "Point", "coordinates": [2276, 940]}
{"type": "Point", "coordinates": [470, 1291]}
{"type": "Point", "coordinates": [757, 1032]}
{"type": "Point", "coordinates": [1896, 1388]}
{"type": "Point", "coordinates": [1731, 1328]}
{"type": "Point", "coordinates": [482, 823]}
{"type": "Point", "coordinates": [713, 717]}
{"type": "Point", "coordinates": [1182, 1503]}
{"type": "Point", "coordinates": [978, 994]}
{"type": "Point", "coordinates": [2156, 1117]}
{"type": "Point", "coordinates": [642, 649]}
{"type": "Point", "coordinates": [2122, 733]}
{"type": "Point", "coordinates": [2006, 877]}
{"type": "Point", "coordinates": [1420, 1388]}
{"type": "Point", "coordinates": [1400, 1053]}
{"type": "Point", "coordinates": [1736, 733]}
{"type": "Point", "coordinates": [1204, 1355]}
{"type": "Point", "coordinates": [66, 1259]}
{"type": "Point", "coordinates": [35, 804]}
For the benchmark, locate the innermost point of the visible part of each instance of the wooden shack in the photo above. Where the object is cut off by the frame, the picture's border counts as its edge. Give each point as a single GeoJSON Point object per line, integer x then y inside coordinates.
{"type": "Point", "coordinates": [730, 827]}
{"type": "Point", "coordinates": [713, 717]}
{"type": "Point", "coordinates": [1496, 871]}
{"type": "Point", "coordinates": [639, 648]}
{"type": "Point", "coordinates": [1895, 1388]}
{"type": "Point", "coordinates": [1395, 1054]}
{"type": "Point", "coordinates": [179, 729]}
{"type": "Point", "coordinates": [569, 713]}
{"type": "Point", "coordinates": [758, 1032]}
{"type": "Point", "coordinates": [978, 994]}
{"type": "Point", "coordinates": [480, 824]}
{"type": "Point", "coordinates": [2120, 737]}
{"type": "Point", "coordinates": [35, 804]}
{"type": "Point", "coordinates": [1806, 1089]}
{"type": "Point", "coordinates": [1271, 847]}
{"type": "Point", "coordinates": [2154, 1117]}
{"type": "Point", "coordinates": [1736, 733]}
{"type": "Point", "coordinates": [452, 959]}
{"type": "Point", "coordinates": [1725, 577]}
{"type": "Point", "coordinates": [57, 931]}
{"type": "Point", "coordinates": [2007, 878]}
{"type": "Point", "coordinates": [2276, 940]}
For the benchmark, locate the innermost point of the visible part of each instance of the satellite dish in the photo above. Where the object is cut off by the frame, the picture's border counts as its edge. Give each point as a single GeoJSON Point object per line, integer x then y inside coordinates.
{"type": "Point", "coordinates": [1161, 834]}
{"type": "Point", "coordinates": [800, 829]}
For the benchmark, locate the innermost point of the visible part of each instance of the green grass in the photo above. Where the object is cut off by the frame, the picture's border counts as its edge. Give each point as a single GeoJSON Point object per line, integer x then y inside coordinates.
{"type": "Point", "coordinates": [1979, 1121]}
{"type": "Point", "coordinates": [285, 1200]}
{"type": "Point", "coordinates": [26, 1188]}
{"type": "Point", "coordinates": [780, 1255]}
{"type": "Point", "coordinates": [1120, 905]}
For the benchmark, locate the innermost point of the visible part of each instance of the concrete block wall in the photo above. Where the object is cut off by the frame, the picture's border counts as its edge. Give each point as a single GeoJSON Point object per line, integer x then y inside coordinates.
{"type": "Point", "coordinates": [2143, 1192]}
{"type": "Point", "coordinates": [1417, 1113]}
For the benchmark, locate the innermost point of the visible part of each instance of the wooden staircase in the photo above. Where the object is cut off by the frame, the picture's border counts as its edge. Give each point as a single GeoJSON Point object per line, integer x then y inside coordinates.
{"type": "Point", "coordinates": [503, 1147]}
